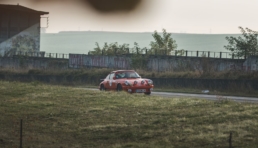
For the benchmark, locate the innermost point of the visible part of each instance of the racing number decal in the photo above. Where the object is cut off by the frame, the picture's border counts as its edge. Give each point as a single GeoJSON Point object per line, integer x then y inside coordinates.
{"type": "Point", "coordinates": [111, 79]}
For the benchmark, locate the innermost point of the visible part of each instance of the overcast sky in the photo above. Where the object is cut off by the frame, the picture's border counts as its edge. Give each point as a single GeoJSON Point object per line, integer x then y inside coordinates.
{"type": "Point", "coordinates": [178, 16]}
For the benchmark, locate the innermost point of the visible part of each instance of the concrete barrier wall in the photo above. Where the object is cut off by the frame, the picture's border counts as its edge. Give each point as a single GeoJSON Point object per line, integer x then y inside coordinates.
{"type": "Point", "coordinates": [88, 61]}
{"type": "Point", "coordinates": [156, 63]}
{"type": "Point", "coordinates": [193, 63]}
{"type": "Point", "coordinates": [33, 63]}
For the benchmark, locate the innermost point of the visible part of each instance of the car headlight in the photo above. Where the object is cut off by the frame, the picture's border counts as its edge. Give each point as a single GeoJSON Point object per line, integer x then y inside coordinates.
{"type": "Point", "coordinates": [127, 83]}
{"type": "Point", "coordinates": [150, 82]}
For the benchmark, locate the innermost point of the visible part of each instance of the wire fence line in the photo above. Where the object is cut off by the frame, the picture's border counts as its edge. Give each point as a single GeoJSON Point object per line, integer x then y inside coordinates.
{"type": "Point", "coordinates": [24, 133]}
{"type": "Point", "coordinates": [175, 53]}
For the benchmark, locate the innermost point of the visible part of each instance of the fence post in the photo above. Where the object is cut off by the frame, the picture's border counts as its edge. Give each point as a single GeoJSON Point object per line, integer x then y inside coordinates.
{"type": "Point", "coordinates": [137, 49]}
{"type": "Point", "coordinates": [197, 53]}
{"type": "Point", "coordinates": [220, 55]}
{"type": "Point", "coordinates": [63, 56]}
{"type": "Point", "coordinates": [21, 134]}
{"type": "Point", "coordinates": [232, 55]}
{"type": "Point", "coordinates": [186, 53]}
{"type": "Point", "coordinates": [175, 52]}
{"type": "Point", "coordinates": [208, 54]}
{"type": "Point", "coordinates": [146, 51]}
{"type": "Point", "coordinates": [128, 52]}
{"type": "Point", "coordinates": [230, 140]}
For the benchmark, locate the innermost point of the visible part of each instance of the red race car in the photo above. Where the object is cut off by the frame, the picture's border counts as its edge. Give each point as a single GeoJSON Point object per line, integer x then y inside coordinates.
{"type": "Point", "coordinates": [127, 80]}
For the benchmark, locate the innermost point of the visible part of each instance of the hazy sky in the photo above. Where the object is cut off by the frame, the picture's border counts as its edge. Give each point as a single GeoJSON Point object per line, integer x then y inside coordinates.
{"type": "Point", "coordinates": [178, 16]}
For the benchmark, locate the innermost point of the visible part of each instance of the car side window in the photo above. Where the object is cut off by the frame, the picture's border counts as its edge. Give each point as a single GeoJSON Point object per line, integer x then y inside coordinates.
{"type": "Point", "coordinates": [120, 75]}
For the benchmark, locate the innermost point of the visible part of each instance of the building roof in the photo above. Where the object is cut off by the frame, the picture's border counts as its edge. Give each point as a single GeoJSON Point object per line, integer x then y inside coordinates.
{"type": "Point", "coordinates": [21, 8]}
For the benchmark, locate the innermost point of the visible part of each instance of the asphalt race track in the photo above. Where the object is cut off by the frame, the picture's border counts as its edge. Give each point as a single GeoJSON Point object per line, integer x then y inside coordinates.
{"type": "Point", "coordinates": [204, 96]}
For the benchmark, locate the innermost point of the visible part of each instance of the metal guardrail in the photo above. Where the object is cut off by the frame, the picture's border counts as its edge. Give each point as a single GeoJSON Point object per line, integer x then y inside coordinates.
{"type": "Point", "coordinates": [185, 53]}
{"type": "Point", "coordinates": [179, 53]}
{"type": "Point", "coordinates": [42, 55]}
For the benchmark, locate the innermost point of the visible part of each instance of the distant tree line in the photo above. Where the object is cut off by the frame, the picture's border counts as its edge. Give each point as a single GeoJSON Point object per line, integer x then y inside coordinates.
{"type": "Point", "coordinates": [162, 45]}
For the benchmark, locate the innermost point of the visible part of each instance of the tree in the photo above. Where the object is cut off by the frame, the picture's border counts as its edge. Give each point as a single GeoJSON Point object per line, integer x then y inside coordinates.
{"type": "Point", "coordinates": [163, 44]}
{"type": "Point", "coordinates": [139, 60]}
{"type": "Point", "coordinates": [242, 47]}
{"type": "Point", "coordinates": [111, 49]}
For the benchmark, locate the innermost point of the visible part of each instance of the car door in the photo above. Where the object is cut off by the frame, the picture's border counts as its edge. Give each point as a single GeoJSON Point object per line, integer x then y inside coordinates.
{"type": "Point", "coordinates": [111, 82]}
{"type": "Point", "coordinates": [106, 83]}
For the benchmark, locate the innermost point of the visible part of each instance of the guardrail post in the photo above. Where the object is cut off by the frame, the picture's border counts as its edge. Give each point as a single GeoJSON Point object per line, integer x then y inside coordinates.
{"type": "Point", "coordinates": [220, 55]}
{"type": "Point", "coordinates": [197, 53]}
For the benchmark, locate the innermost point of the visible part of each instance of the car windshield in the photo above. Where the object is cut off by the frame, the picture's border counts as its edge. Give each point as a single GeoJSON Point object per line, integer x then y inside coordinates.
{"type": "Point", "coordinates": [127, 74]}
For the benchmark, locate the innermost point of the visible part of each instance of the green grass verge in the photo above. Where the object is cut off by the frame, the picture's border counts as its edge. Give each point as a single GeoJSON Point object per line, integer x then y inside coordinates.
{"type": "Point", "coordinates": [57, 116]}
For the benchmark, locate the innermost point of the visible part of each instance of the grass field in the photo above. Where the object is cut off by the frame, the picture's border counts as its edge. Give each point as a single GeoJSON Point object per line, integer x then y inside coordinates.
{"type": "Point", "coordinates": [57, 116]}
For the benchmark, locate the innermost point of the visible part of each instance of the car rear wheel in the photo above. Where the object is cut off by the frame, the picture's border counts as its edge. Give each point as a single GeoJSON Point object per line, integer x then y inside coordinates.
{"type": "Point", "coordinates": [119, 87]}
{"type": "Point", "coordinates": [102, 88]}
{"type": "Point", "coordinates": [147, 93]}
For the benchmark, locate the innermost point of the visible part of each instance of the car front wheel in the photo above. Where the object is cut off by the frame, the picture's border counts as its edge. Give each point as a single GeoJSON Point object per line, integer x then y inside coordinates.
{"type": "Point", "coordinates": [147, 93]}
{"type": "Point", "coordinates": [102, 88]}
{"type": "Point", "coordinates": [119, 87]}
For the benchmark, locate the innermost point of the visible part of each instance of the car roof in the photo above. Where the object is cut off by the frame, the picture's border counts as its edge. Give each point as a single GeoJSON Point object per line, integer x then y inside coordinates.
{"type": "Point", "coordinates": [122, 71]}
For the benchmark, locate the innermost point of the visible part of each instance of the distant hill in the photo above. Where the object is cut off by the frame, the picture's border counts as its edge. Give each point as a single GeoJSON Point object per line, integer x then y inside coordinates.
{"type": "Point", "coordinates": [82, 42]}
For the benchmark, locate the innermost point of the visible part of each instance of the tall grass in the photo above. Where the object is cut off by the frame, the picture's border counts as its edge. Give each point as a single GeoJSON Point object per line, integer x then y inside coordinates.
{"type": "Point", "coordinates": [57, 116]}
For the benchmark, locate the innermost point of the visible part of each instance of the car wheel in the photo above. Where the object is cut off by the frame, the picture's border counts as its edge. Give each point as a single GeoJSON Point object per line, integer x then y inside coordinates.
{"type": "Point", "coordinates": [119, 87]}
{"type": "Point", "coordinates": [102, 88]}
{"type": "Point", "coordinates": [147, 93]}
